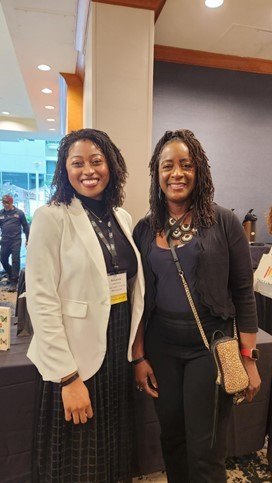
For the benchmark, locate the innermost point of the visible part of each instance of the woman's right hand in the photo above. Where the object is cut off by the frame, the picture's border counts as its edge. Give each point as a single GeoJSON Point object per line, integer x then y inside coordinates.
{"type": "Point", "coordinates": [76, 402]}
{"type": "Point", "coordinates": [145, 378]}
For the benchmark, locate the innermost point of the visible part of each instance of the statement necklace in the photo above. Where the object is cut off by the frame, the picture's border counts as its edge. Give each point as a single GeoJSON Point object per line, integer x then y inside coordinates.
{"type": "Point", "coordinates": [181, 230]}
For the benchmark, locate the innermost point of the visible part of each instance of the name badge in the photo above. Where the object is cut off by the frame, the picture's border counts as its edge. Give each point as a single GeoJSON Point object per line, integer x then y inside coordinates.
{"type": "Point", "coordinates": [118, 288]}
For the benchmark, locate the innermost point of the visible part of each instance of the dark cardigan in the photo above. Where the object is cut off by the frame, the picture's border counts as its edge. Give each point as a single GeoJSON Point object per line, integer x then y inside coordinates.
{"type": "Point", "coordinates": [224, 272]}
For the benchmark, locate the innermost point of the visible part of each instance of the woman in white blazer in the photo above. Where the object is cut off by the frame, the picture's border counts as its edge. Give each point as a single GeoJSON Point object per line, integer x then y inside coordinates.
{"type": "Point", "coordinates": [85, 293]}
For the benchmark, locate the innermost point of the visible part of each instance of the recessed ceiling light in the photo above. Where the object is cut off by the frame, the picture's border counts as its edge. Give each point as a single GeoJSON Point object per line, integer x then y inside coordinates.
{"type": "Point", "coordinates": [50, 119]}
{"type": "Point", "coordinates": [51, 129]}
{"type": "Point", "coordinates": [47, 91]}
{"type": "Point", "coordinates": [44, 67]}
{"type": "Point", "coordinates": [214, 3]}
{"type": "Point", "coordinates": [5, 113]}
{"type": "Point", "coordinates": [49, 107]}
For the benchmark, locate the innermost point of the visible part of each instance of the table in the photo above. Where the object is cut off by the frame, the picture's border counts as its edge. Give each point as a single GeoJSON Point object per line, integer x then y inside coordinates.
{"type": "Point", "coordinates": [256, 253]}
{"type": "Point", "coordinates": [250, 421]}
{"type": "Point", "coordinates": [18, 404]}
{"type": "Point", "coordinates": [264, 310]}
{"type": "Point", "coordinates": [18, 379]}
{"type": "Point", "coordinates": [24, 326]}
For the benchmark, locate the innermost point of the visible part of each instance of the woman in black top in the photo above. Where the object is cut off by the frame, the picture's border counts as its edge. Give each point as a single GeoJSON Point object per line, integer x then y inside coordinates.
{"type": "Point", "coordinates": [213, 251]}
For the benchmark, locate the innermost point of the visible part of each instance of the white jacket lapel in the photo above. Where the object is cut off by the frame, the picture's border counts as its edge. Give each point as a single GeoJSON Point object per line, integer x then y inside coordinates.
{"type": "Point", "coordinates": [87, 235]}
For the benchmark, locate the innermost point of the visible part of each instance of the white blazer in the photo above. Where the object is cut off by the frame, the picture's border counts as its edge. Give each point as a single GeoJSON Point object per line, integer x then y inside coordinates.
{"type": "Point", "coordinates": [68, 296]}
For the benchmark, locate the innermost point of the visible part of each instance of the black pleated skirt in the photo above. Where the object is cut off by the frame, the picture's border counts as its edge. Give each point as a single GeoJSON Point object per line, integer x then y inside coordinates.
{"type": "Point", "coordinates": [99, 451]}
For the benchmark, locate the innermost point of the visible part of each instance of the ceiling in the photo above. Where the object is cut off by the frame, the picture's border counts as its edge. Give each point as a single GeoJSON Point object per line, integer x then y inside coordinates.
{"type": "Point", "coordinates": [238, 27]}
{"type": "Point", "coordinates": [34, 32]}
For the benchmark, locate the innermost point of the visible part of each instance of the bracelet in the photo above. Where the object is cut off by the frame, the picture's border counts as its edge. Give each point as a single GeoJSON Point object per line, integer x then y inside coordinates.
{"type": "Point", "coordinates": [137, 361]}
{"type": "Point", "coordinates": [70, 379]}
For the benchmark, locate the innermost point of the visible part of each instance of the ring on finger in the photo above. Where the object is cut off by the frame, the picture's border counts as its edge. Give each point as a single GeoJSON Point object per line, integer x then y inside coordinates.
{"type": "Point", "coordinates": [139, 387]}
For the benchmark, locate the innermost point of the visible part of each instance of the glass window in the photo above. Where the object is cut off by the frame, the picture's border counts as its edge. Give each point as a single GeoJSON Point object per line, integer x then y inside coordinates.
{"type": "Point", "coordinates": [32, 180]}
{"type": "Point", "coordinates": [15, 179]}
{"type": "Point", "coordinates": [50, 167]}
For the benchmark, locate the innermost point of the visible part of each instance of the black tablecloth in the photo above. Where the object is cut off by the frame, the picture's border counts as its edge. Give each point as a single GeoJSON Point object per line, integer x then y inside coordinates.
{"type": "Point", "coordinates": [18, 392]}
{"type": "Point", "coordinates": [18, 379]}
{"type": "Point", "coordinates": [264, 309]}
{"type": "Point", "coordinates": [249, 421]}
{"type": "Point", "coordinates": [256, 253]}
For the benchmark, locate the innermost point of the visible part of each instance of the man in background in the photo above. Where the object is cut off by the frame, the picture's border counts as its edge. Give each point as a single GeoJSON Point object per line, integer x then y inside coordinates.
{"type": "Point", "coordinates": [12, 220]}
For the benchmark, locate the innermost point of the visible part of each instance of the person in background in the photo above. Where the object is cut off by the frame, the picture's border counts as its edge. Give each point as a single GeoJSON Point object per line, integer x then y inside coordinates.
{"type": "Point", "coordinates": [12, 221]}
{"type": "Point", "coordinates": [269, 221]}
{"type": "Point", "coordinates": [85, 290]}
{"type": "Point", "coordinates": [174, 366]}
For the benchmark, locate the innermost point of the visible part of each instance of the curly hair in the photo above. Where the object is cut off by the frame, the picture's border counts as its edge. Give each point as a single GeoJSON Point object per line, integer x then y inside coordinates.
{"type": "Point", "coordinates": [62, 190]}
{"type": "Point", "coordinates": [269, 221]}
{"type": "Point", "coordinates": [202, 197]}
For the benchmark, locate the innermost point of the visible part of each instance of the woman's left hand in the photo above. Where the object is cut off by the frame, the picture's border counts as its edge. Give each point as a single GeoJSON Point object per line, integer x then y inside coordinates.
{"type": "Point", "coordinates": [145, 378]}
{"type": "Point", "coordinates": [254, 378]}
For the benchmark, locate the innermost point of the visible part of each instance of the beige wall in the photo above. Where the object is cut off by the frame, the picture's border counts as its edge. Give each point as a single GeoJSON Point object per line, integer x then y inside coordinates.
{"type": "Point", "coordinates": [74, 102]}
{"type": "Point", "coordinates": [119, 79]}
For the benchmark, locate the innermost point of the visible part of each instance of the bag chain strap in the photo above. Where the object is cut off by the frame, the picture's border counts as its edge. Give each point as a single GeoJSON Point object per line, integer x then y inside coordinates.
{"type": "Point", "coordinates": [191, 302]}
{"type": "Point", "coordinates": [188, 293]}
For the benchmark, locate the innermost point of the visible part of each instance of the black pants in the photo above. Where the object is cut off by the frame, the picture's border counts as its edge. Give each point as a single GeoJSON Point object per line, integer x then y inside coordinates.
{"type": "Point", "coordinates": [13, 248]}
{"type": "Point", "coordinates": [185, 407]}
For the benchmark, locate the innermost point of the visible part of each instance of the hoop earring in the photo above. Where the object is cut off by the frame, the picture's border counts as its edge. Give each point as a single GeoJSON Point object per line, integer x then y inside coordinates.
{"type": "Point", "coordinates": [160, 194]}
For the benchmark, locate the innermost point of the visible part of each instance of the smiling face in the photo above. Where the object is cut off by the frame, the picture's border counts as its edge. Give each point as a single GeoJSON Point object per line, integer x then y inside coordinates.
{"type": "Point", "coordinates": [177, 174]}
{"type": "Point", "coordinates": [87, 169]}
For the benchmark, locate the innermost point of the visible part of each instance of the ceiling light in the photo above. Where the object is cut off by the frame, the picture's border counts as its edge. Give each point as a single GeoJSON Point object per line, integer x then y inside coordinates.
{"type": "Point", "coordinates": [5, 113]}
{"type": "Point", "coordinates": [49, 107]}
{"type": "Point", "coordinates": [47, 91]}
{"type": "Point", "coordinates": [50, 119]}
{"type": "Point", "coordinates": [51, 129]}
{"type": "Point", "coordinates": [44, 67]}
{"type": "Point", "coordinates": [214, 3]}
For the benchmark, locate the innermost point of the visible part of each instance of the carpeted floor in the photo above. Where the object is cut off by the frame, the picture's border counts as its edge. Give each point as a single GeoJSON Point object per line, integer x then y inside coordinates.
{"type": "Point", "coordinates": [252, 468]}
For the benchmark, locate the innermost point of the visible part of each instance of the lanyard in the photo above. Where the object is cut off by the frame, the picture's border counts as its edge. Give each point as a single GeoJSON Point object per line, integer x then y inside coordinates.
{"type": "Point", "coordinates": [109, 243]}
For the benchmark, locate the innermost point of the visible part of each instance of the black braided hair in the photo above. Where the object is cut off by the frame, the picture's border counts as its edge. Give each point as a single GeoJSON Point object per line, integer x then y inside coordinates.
{"type": "Point", "coordinates": [202, 196]}
{"type": "Point", "coordinates": [62, 190]}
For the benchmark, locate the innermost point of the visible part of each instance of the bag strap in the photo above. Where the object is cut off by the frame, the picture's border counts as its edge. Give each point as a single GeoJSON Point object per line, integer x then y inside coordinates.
{"type": "Point", "coordinates": [187, 290]}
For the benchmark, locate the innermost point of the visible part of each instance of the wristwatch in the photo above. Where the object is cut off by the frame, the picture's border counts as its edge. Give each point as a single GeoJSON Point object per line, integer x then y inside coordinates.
{"type": "Point", "coordinates": [251, 353]}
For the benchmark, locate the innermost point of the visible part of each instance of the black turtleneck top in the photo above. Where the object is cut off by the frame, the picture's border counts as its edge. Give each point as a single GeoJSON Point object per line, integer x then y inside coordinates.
{"type": "Point", "coordinates": [126, 256]}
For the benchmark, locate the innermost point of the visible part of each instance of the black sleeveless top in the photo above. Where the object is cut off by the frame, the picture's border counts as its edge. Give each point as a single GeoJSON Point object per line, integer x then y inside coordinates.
{"type": "Point", "coordinates": [170, 293]}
